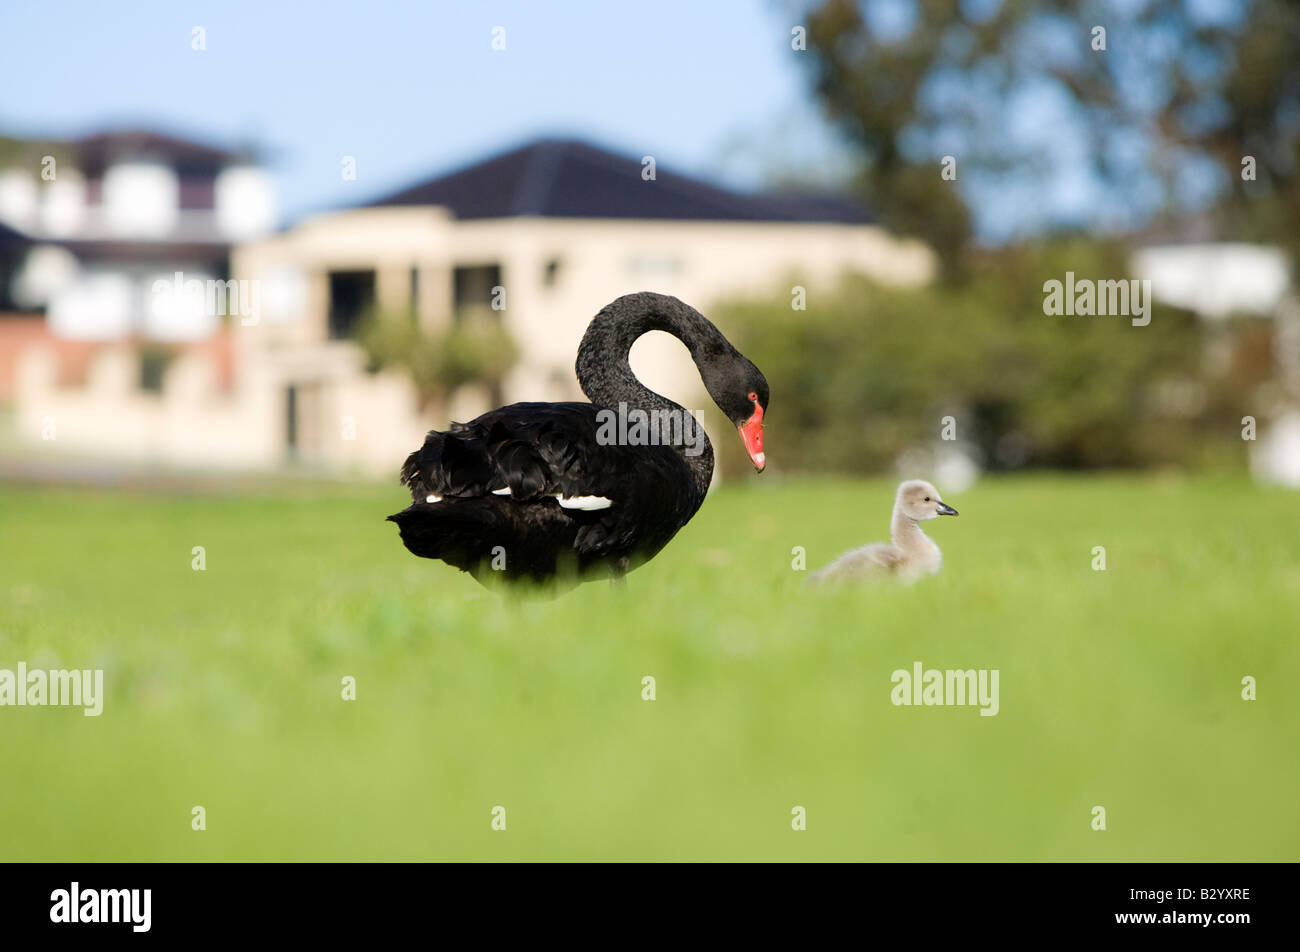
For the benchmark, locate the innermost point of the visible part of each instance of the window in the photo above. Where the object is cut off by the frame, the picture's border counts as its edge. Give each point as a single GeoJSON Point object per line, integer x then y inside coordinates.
{"type": "Point", "coordinates": [304, 420]}
{"type": "Point", "coordinates": [291, 419]}
{"type": "Point", "coordinates": [352, 293]}
{"type": "Point", "coordinates": [141, 200]}
{"type": "Point", "coordinates": [153, 368]}
{"type": "Point", "coordinates": [551, 273]}
{"type": "Point", "coordinates": [242, 197]}
{"type": "Point", "coordinates": [474, 287]}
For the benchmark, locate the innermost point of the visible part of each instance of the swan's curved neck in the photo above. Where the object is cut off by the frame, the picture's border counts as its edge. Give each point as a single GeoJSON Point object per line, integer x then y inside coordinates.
{"type": "Point", "coordinates": [606, 376]}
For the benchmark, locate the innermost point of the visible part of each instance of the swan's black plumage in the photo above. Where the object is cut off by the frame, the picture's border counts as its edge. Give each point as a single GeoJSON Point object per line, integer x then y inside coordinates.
{"type": "Point", "coordinates": [539, 451]}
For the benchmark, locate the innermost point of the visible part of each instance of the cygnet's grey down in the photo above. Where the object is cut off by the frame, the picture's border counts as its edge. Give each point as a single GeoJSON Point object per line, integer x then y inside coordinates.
{"type": "Point", "coordinates": [909, 555]}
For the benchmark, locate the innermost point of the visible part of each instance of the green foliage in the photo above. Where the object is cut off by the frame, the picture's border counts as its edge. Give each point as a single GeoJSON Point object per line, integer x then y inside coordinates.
{"type": "Point", "coordinates": [867, 372]}
{"type": "Point", "coordinates": [28, 155]}
{"type": "Point", "coordinates": [1119, 688]}
{"type": "Point", "coordinates": [1197, 89]}
{"type": "Point", "coordinates": [476, 349]}
{"type": "Point", "coordinates": [154, 361]}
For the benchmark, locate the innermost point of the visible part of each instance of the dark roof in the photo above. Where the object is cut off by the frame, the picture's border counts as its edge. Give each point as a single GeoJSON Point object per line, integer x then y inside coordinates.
{"type": "Point", "coordinates": [560, 178]}
{"type": "Point", "coordinates": [11, 238]}
{"type": "Point", "coordinates": [95, 152]}
{"type": "Point", "coordinates": [110, 249]}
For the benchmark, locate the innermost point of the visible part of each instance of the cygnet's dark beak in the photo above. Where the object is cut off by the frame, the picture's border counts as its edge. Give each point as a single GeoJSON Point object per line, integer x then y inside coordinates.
{"type": "Point", "coordinates": [946, 510]}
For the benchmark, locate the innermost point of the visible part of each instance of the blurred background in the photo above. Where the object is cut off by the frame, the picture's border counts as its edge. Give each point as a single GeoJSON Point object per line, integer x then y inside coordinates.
{"type": "Point", "coordinates": [235, 240]}
{"type": "Point", "coordinates": [250, 253]}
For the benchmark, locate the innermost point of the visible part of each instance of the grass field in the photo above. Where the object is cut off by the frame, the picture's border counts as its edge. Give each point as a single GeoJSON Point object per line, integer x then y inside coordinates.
{"type": "Point", "coordinates": [1119, 688]}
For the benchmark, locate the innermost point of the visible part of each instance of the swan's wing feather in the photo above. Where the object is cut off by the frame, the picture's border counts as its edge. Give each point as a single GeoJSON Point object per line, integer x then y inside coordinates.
{"type": "Point", "coordinates": [528, 452]}
{"type": "Point", "coordinates": [531, 448]}
{"type": "Point", "coordinates": [538, 449]}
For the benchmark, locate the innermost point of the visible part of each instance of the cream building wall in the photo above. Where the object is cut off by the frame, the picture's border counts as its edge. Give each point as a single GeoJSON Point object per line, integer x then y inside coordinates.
{"type": "Point", "coordinates": [597, 261]}
{"type": "Point", "coordinates": [699, 262]}
{"type": "Point", "coordinates": [107, 415]}
{"type": "Point", "coordinates": [347, 419]}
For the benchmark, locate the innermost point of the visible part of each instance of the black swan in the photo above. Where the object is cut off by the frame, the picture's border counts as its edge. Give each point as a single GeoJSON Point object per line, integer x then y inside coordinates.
{"type": "Point", "coordinates": [535, 492]}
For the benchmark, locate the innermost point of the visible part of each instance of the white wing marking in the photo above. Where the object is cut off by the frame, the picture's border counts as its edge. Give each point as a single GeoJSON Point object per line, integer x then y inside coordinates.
{"type": "Point", "coordinates": [584, 502]}
{"type": "Point", "coordinates": [567, 502]}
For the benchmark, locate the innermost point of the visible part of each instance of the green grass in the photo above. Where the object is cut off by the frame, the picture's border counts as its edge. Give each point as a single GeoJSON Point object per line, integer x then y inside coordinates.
{"type": "Point", "coordinates": [1118, 688]}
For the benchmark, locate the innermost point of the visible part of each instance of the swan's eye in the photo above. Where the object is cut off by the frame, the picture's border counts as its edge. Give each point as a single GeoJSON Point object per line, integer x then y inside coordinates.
{"type": "Point", "coordinates": [927, 498]}
{"type": "Point", "coordinates": [753, 396]}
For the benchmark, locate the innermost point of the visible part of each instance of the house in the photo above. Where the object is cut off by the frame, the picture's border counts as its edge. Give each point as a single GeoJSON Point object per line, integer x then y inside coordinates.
{"type": "Point", "coordinates": [105, 215]}
{"type": "Point", "coordinates": [93, 360]}
{"type": "Point", "coordinates": [537, 239]}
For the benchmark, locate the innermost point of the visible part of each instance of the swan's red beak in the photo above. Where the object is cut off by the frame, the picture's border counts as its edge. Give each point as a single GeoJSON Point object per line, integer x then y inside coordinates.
{"type": "Point", "coordinates": [751, 434]}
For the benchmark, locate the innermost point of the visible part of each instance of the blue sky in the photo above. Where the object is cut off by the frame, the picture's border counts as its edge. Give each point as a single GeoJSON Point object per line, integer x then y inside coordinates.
{"type": "Point", "coordinates": [415, 88]}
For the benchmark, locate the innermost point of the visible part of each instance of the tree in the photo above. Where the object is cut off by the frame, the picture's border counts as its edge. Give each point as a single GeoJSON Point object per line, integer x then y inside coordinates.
{"type": "Point", "coordinates": [473, 350]}
{"type": "Point", "coordinates": [1061, 114]}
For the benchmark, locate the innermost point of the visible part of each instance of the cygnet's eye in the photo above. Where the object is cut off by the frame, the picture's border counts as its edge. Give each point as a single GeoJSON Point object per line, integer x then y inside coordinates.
{"type": "Point", "coordinates": [927, 498]}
